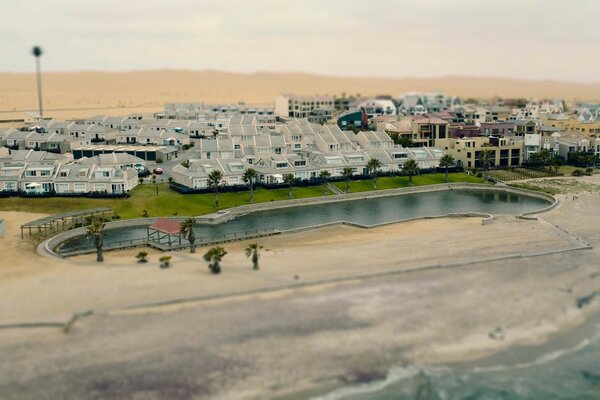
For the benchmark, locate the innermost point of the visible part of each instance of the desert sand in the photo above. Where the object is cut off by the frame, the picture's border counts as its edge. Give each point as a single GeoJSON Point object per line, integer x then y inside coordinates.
{"type": "Point", "coordinates": [80, 94]}
{"type": "Point", "coordinates": [423, 292]}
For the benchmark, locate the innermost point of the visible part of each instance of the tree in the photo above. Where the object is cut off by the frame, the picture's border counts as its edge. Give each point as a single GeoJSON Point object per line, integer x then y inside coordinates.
{"type": "Point", "coordinates": [410, 168]}
{"type": "Point", "coordinates": [37, 53]}
{"type": "Point", "coordinates": [187, 229]}
{"type": "Point", "coordinates": [485, 158]}
{"type": "Point", "coordinates": [253, 250]}
{"type": "Point", "coordinates": [289, 178]}
{"type": "Point", "coordinates": [95, 230]}
{"type": "Point", "coordinates": [540, 159]}
{"type": "Point", "coordinates": [214, 256]}
{"type": "Point", "coordinates": [556, 163]}
{"type": "Point", "coordinates": [249, 177]}
{"type": "Point", "coordinates": [324, 175]}
{"type": "Point", "coordinates": [215, 179]}
{"type": "Point", "coordinates": [373, 167]}
{"type": "Point", "coordinates": [447, 161]}
{"type": "Point", "coordinates": [347, 172]}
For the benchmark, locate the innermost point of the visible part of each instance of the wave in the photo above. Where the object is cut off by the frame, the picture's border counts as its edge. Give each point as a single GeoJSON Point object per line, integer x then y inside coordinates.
{"type": "Point", "coordinates": [395, 375]}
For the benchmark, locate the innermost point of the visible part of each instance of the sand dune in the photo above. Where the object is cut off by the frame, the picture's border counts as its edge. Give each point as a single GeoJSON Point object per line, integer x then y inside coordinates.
{"type": "Point", "coordinates": [146, 91]}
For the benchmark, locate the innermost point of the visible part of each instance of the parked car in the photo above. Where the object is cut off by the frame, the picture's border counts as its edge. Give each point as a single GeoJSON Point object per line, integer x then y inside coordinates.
{"type": "Point", "coordinates": [157, 171]}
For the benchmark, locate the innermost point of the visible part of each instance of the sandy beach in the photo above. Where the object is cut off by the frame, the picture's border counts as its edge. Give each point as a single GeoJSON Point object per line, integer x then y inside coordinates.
{"type": "Point", "coordinates": [424, 292]}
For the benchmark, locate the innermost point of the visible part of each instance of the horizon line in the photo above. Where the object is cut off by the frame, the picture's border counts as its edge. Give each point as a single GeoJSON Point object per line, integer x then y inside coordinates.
{"type": "Point", "coordinates": [308, 74]}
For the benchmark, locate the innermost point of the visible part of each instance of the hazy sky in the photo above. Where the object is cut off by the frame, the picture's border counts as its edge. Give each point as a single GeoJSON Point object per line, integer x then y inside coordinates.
{"type": "Point", "coordinates": [532, 39]}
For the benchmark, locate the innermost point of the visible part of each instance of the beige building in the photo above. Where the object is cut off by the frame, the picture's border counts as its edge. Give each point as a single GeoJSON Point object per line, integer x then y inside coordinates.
{"type": "Point", "coordinates": [506, 152]}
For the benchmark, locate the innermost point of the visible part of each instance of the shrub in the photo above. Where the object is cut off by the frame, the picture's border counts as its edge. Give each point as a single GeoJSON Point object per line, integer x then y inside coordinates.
{"type": "Point", "coordinates": [141, 256]}
{"type": "Point", "coordinates": [159, 160]}
{"type": "Point", "coordinates": [165, 261]}
{"type": "Point", "coordinates": [589, 171]}
{"type": "Point", "coordinates": [577, 172]}
{"type": "Point", "coordinates": [141, 180]}
{"type": "Point", "coordinates": [145, 213]}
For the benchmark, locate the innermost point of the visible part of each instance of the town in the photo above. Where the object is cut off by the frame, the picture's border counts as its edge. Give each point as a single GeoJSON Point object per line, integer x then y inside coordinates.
{"type": "Point", "coordinates": [297, 140]}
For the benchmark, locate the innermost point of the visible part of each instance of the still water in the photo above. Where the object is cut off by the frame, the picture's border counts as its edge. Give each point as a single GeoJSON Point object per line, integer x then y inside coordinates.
{"type": "Point", "coordinates": [365, 211]}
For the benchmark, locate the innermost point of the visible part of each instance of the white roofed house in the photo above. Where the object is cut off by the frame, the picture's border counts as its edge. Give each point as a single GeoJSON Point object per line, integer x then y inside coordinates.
{"type": "Point", "coordinates": [119, 160]}
{"type": "Point", "coordinates": [76, 178]}
{"type": "Point", "coordinates": [151, 136]}
{"type": "Point", "coordinates": [566, 142]}
{"type": "Point", "coordinates": [15, 139]}
{"type": "Point", "coordinates": [194, 173]}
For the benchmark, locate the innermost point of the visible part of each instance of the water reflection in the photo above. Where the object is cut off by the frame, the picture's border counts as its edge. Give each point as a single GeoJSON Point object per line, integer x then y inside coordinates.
{"type": "Point", "coordinates": [363, 211]}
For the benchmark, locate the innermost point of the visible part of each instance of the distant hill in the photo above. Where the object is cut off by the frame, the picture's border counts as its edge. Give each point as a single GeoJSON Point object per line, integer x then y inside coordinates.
{"type": "Point", "coordinates": [147, 91]}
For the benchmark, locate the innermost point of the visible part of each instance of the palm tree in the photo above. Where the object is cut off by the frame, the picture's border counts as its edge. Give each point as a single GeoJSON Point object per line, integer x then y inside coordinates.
{"type": "Point", "coordinates": [289, 178]}
{"type": "Point", "coordinates": [95, 230]}
{"type": "Point", "coordinates": [485, 158]}
{"type": "Point", "coordinates": [324, 175]}
{"type": "Point", "coordinates": [347, 173]}
{"type": "Point", "coordinates": [373, 166]}
{"type": "Point", "coordinates": [187, 229]}
{"type": "Point", "coordinates": [410, 168]}
{"type": "Point", "coordinates": [445, 162]}
{"type": "Point", "coordinates": [253, 250]}
{"type": "Point", "coordinates": [249, 177]}
{"type": "Point", "coordinates": [214, 256]}
{"type": "Point", "coordinates": [37, 53]}
{"type": "Point", "coordinates": [215, 179]}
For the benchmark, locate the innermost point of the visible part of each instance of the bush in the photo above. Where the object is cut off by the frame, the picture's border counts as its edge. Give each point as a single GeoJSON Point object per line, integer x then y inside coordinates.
{"type": "Point", "coordinates": [165, 261]}
{"type": "Point", "coordinates": [141, 256]}
{"type": "Point", "coordinates": [159, 160]}
{"type": "Point", "coordinates": [145, 214]}
{"type": "Point", "coordinates": [577, 172]}
{"type": "Point", "coordinates": [589, 171]}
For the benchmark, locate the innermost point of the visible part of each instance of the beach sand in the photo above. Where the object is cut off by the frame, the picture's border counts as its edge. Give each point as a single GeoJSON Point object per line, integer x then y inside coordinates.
{"type": "Point", "coordinates": [423, 292]}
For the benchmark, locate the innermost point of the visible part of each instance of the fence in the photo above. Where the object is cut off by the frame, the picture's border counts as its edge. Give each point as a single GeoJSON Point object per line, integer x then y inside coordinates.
{"type": "Point", "coordinates": [201, 241]}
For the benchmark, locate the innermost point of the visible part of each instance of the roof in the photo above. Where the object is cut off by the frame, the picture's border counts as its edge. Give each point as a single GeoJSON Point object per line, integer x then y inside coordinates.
{"type": "Point", "coordinates": [168, 226]}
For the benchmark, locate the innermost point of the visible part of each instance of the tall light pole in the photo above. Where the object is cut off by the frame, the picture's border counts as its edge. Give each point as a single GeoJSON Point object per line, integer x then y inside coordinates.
{"type": "Point", "coordinates": [37, 52]}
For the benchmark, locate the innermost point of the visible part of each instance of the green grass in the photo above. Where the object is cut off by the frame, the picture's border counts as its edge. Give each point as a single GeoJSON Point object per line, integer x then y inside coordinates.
{"type": "Point", "coordinates": [386, 182]}
{"type": "Point", "coordinates": [536, 188]}
{"type": "Point", "coordinates": [167, 203]}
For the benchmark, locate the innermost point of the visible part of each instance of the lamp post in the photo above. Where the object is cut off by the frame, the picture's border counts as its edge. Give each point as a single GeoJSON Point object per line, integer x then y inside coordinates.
{"type": "Point", "coordinates": [37, 53]}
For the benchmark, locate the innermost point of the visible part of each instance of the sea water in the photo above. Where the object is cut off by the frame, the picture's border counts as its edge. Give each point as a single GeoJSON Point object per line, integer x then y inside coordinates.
{"type": "Point", "coordinates": [546, 372]}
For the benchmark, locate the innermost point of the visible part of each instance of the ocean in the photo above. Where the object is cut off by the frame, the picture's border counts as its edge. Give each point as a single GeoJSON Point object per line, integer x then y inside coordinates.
{"type": "Point", "coordinates": [567, 366]}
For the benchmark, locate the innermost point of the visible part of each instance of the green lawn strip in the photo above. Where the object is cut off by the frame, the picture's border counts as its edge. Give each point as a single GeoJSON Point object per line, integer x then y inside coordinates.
{"type": "Point", "coordinates": [392, 182]}
{"type": "Point", "coordinates": [535, 188]}
{"type": "Point", "coordinates": [167, 203]}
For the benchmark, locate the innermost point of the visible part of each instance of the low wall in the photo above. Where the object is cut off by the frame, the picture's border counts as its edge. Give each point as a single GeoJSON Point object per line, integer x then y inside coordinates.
{"type": "Point", "coordinates": [47, 247]}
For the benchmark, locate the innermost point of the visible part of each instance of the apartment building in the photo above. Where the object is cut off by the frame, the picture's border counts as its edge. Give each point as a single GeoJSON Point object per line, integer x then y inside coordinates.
{"type": "Point", "coordinates": [290, 105]}
{"type": "Point", "coordinates": [505, 151]}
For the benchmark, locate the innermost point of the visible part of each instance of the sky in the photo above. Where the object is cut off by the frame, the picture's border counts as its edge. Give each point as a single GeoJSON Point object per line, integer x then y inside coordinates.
{"type": "Point", "coordinates": [525, 39]}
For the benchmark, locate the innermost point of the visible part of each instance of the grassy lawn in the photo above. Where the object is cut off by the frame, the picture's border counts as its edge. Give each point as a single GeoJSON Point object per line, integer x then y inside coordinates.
{"type": "Point", "coordinates": [143, 197]}
{"type": "Point", "coordinates": [536, 188]}
{"type": "Point", "coordinates": [387, 182]}
{"type": "Point", "coordinates": [169, 202]}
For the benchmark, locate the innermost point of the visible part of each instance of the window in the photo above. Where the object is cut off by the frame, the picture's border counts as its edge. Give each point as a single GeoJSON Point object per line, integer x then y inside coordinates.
{"type": "Point", "coordinates": [300, 163]}
{"type": "Point", "coordinates": [281, 165]}
{"type": "Point", "coordinates": [400, 155]}
{"type": "Point", "coordinates": [277, 150]}
{"type": "Point", "coordinates": [80, 187]}
{"type": "Point", "coordinates": [297, 146]}
{"type": "Point", "coordinates": [31, 173]}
